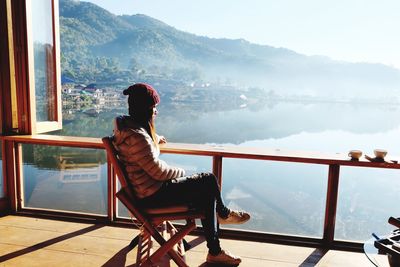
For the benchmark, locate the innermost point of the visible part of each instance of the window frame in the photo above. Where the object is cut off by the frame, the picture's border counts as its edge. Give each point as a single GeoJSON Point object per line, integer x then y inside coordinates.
{"type": "Point", "coordinates": [35, 126]}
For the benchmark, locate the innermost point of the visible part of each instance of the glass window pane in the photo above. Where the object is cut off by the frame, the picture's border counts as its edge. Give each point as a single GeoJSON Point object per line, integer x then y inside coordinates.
{"type": "Point", "coordinates": [64, 178]}
{"type": "Point", "coordinates": [367, 198]}
{"type": "Point", "coordinates": [286, 198]}
{"type": "Point", "coordinates": [192, 164]}
{"type": "Point", "coordinates": [1, 172]}
{"type": "Point", "coordinates": [44, 60]}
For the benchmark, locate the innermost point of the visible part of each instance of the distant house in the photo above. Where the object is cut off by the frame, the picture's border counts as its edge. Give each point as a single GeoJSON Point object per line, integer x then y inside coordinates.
{"type": "Point", "coordinates": [99, 96]}
{"type": "Point", "coordinates": [66, 90]}
{"type": "Point", "coordinates": [111, 96]}
{"type": "Point", "coordinates": [80, 86]}
{"type": "Point", "coordinates": [91, 88]}
{"type": "Point", "coordinates": [98, 93]}
{"type": "Point", "coordinates": [71, 91]}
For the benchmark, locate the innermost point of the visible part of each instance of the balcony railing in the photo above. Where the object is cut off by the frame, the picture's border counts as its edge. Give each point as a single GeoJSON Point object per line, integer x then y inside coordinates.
{"type": "Point", "coordinates": [84, 172]}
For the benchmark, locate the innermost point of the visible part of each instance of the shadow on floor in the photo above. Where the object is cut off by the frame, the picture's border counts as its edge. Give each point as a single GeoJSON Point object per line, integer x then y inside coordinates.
{"type": "Point", "coordinates": [195, 242]}
{"type": "Point", "coordinates": [314, 258]}
{"type": "Point", "coordinates": [205, 264]}
{"type": "Point", "coordinates": [119, 259]}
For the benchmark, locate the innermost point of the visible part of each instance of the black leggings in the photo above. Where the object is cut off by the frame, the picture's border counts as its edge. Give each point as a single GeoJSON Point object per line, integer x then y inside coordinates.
{"type": "Point", "coordinates": [200, 190]}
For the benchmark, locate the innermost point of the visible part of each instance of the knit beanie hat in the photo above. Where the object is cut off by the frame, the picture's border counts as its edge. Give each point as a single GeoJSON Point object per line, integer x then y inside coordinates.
{"type": "Point", "coordinates": [141, 97]}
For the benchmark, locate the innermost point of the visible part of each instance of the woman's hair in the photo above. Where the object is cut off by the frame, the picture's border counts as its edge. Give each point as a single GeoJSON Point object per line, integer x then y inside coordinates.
{"type": "Point", "coordinates": [142, 99]}
{"type": "Point", "coordinates": [152, 130]}
{"type": "Point", "coordinates": [146, 119]}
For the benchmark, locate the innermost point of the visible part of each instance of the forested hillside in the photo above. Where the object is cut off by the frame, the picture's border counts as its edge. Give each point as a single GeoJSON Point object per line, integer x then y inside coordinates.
{"type": "Point", "coordinates": [98, 46]}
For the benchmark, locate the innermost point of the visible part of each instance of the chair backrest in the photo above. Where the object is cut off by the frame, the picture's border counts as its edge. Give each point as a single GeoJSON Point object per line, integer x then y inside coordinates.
{"type": "Point", "coordinates": [126, 195]}
{"type": "Point", "coordinates": [112, 154]}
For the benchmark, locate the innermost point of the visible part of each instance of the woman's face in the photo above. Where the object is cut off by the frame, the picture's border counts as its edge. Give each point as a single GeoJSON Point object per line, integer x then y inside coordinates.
{"type": "Point", "coordinates": [154, 112]}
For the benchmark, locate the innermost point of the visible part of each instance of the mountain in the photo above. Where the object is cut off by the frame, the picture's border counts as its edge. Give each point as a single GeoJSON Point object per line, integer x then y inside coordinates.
{"type": "Point", "coordinates": [97, 45]}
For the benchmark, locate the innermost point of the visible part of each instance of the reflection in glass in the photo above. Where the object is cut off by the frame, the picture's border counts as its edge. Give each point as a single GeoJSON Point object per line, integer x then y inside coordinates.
{"type": "Point", "coordinates": [367, 198]}
{"type": "Point", "coordinates": [1, 172]}
{"type": "Point", "coordinates": [64, 178]}
{"type": "Point", "coordinates": [42, 32]}
{"type": "Point", "coordinates": [285, 198]}
{"type": "Point", "coordinates": [191, 164]}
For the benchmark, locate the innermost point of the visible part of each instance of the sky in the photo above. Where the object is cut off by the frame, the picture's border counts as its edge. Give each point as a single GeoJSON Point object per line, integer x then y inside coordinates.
{"type": "Point", "coordinates": [40, 20]}
{"type": "Point", "coordinates": [349, 30]}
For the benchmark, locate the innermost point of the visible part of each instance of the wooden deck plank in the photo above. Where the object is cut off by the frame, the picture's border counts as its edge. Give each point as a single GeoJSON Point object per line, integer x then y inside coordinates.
{"type": "Point", "coordinates": [269, 252]}
{"type": "Point", "coordinates": [344, 258]}
{"type": "Point", "coordinates": [47, 257]}
{"type": "Point", "coordinates": [41, 224]}
{"type": "Point", "coordinates": [26, 241]}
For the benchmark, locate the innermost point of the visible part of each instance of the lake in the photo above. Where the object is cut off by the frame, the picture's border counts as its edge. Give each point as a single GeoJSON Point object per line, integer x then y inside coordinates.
{"type": "Point", "coordinates": [287, 198]}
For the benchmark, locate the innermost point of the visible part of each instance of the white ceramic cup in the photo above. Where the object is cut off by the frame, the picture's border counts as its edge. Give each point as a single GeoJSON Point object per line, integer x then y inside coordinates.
{"type": "Point", "coordinates": [380, 153]}
{"type": "Point", "coordinates": [355, 154]}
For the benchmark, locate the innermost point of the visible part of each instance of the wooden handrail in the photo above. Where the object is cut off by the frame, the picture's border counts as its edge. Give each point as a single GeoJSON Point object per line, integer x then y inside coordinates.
{"type": "Point", "coordinates": [214, 150]}
{"type": "Point", "coordinates": [57, 140]}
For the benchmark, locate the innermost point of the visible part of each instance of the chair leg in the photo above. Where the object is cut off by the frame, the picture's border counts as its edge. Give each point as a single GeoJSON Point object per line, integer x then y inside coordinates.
{"type": "Point", "coordinates": [186, 244]}
{"type": "Point", "coordinates": [134, 241]}
{"type": "Point", "coordinates": [145, 250]}
{"type": "Point", "coordinates": [167, 246]}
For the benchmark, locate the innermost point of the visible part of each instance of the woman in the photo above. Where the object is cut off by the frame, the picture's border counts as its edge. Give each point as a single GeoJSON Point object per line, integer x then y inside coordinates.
{"type": "Point", "coordinates": [156, 183]}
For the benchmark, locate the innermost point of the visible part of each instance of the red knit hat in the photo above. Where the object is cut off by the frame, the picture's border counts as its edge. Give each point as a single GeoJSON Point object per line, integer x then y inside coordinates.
{"type": "Point", "coordinates": [141, 96]}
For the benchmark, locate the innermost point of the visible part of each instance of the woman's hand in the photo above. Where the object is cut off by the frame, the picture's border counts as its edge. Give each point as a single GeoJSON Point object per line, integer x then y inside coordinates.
{"type": "Point", "coordinates": [162, 139]}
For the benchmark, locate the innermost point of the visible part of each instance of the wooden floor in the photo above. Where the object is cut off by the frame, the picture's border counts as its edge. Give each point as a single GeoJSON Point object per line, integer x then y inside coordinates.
{"type": "Point", "coordinates": [28, 241]}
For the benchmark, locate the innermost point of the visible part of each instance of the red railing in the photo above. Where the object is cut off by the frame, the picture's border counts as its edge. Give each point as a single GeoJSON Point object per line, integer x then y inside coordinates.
{"type": "Point", "coordinates": [12, 157]}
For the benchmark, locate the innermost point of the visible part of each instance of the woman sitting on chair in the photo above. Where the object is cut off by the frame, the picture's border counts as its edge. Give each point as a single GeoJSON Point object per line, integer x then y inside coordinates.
{"type": "Point", "coordinates": [156, 183]}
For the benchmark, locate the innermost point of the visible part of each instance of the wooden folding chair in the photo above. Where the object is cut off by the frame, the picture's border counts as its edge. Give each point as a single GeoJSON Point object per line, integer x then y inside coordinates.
{"type": "Point", "coordinates": [154, 223]}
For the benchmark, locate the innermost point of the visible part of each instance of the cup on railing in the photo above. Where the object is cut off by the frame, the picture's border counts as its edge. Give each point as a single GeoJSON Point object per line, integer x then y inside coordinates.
{"type": "Point", "coordinates": [355, 154]}
{"type": "Point", "coordinates": [380, 153]}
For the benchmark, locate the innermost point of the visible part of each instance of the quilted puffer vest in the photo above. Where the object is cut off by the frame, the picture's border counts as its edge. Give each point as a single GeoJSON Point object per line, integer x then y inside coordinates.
{"type": "Point", "coordinates": [140, 157]}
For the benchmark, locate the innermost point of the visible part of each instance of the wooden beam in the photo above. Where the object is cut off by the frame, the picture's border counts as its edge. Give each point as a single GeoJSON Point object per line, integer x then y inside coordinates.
{"type": "Point", "coordinates": [3, 175]}
{"type": "Point", "coordinates": [331, 205]}
{"type": "Point", "coordinates": [111, 199]}
{"type": "Point", "coordinates": [54, 140]}
{"type": "Point", "coordinates": [9, 172]}
{"type": "Point", "coordinates": [222, 151]}
{"type": "Point", "coordinates": [4, 206]}
{"type": "Point", "coordinates": [217, 169]}
{"type": "Point", "coordinates": [6, 70]}
{"type": "Point", "coordinates": [22, 77]}
{"type": "Point", "coordinates": [18, 176]}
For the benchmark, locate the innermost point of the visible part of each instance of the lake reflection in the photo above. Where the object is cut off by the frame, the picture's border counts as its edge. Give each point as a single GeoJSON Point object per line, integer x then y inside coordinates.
{"type": "Point", "coordinates": [285, 198]}
{"type": "Point", "coordinates": [283, 125]}
{"type": "Point", "coordinates": [277, 122]}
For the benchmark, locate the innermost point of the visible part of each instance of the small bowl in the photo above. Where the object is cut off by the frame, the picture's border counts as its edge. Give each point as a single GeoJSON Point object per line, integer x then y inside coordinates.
{"type": "Point", "coordinates": [380, 153]}
{"type": "Point", "coordinates": [355, 154]}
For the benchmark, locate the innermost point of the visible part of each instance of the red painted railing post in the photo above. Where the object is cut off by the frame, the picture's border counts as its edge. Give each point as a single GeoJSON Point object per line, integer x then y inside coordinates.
{"type": "Point", "coordinates": [217, 169]}
{"type": "Point", "coordinates": [331, 204]}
